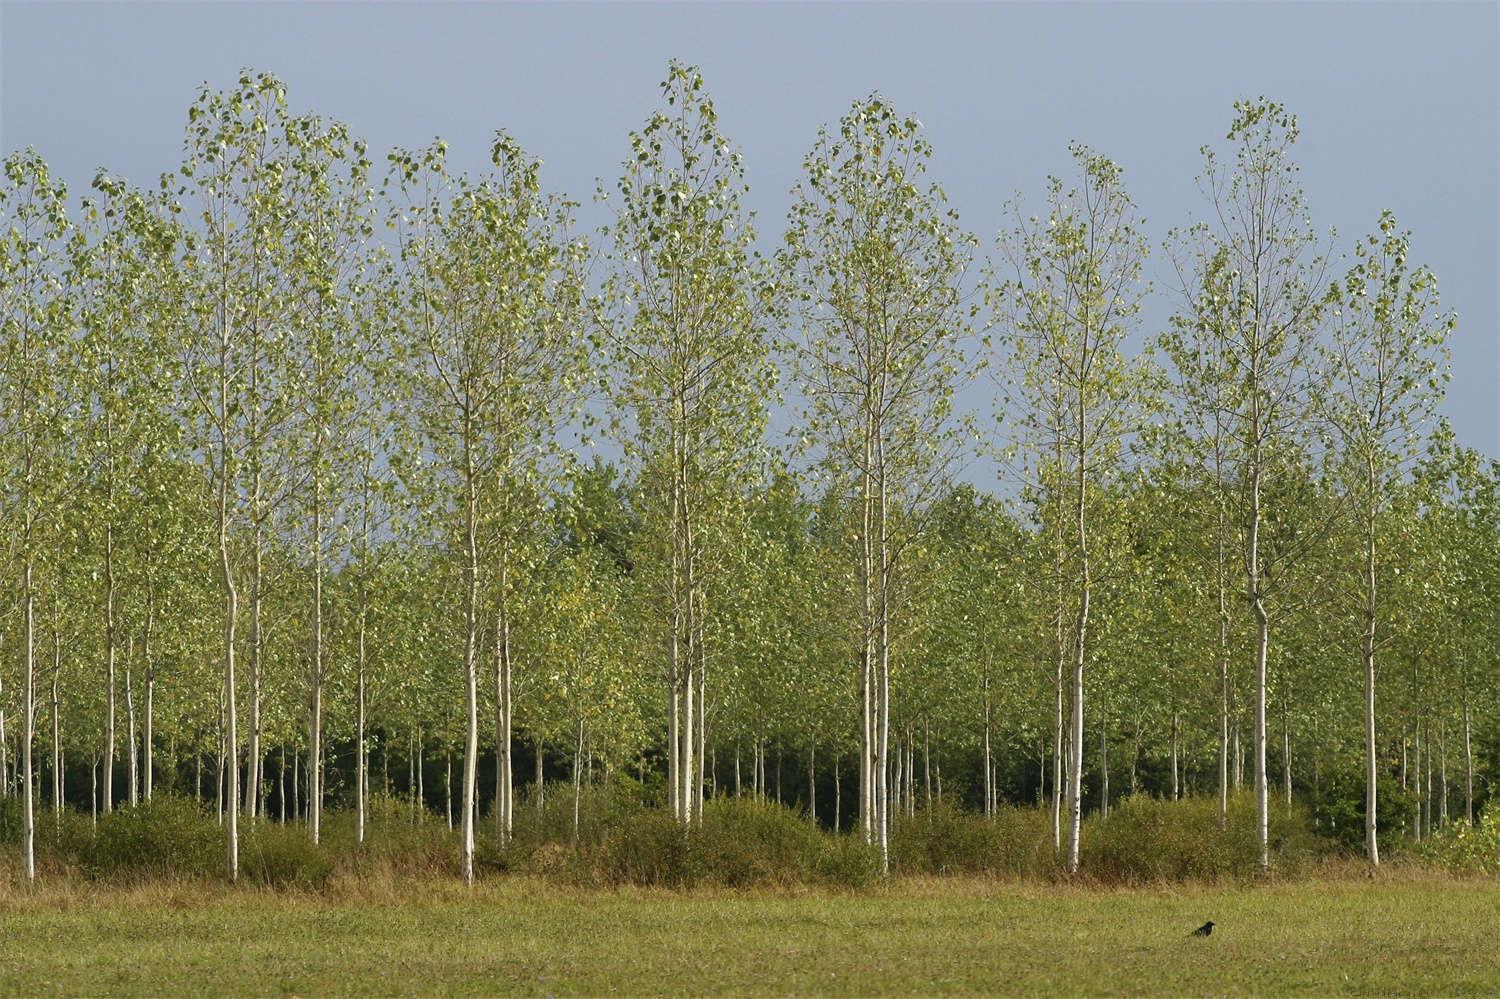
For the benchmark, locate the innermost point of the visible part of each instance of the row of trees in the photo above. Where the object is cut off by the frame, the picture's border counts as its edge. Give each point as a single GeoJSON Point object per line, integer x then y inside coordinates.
{"type": "Point", "coordinates": [282, 445]}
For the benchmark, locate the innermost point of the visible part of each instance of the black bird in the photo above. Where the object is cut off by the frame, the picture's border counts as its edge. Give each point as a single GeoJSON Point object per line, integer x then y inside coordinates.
{"type": "Point", "coordinates": [1203, 930]}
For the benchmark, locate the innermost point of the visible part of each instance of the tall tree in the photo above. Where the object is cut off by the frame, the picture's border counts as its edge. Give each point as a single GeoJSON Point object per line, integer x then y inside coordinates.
{"type": "Point", "coordinates": [35, 318]}
{"type": "Point", "coordinates": [1070, 305]}
{"type": "Point", "coordinates": [687, 339]}
{"type": "Point", "coordinates": [878, 262]}
{"type": "Point", "coordinates": [1385, 367]}
{"type": "Point", "coordinates": [492, 289]}
{"type": "Point", "coordinates": [233, 174]}
{"type": "Point", "coordinates": [1261, 249]}
{"type": "Point", "coordinates": [329, 228]}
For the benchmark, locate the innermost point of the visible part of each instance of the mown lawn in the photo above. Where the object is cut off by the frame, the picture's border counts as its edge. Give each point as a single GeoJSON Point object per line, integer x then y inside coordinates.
{"type": "Point", "coordinates": [1423, 937]}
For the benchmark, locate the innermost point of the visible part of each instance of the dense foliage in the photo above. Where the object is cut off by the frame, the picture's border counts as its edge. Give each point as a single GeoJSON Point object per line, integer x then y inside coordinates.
{"type": "Point", "coordinates": [290, 516]}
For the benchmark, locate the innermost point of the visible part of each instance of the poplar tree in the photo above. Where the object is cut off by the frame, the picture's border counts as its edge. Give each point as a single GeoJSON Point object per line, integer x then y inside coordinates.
{"type": "Point", "coordinates": [1260, 263]}
{"type": "Point", "coordinates": [686, 336]}
{"type": "Point", "coordinates": [877, 261]}
{"type": "Point", "coordinates": [1069, 306]}
{"type": "Point", "coordinates": [329, 228]}
{"type": "Point", "coordinates": [232, 177]}
{"type": "Point", "coordinates": [35, 315]}
{"type": "Point", "coordinates": [491, 290]}
{"type": "Point", "coordinates": [1385, 368]}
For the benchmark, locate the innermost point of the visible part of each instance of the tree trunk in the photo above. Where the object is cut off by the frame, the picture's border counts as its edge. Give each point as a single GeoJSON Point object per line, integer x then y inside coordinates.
{"type": "Point", "coordinates": [577, 781]}
{"type": "Point", "coordinates": [471, 634]}
{"type": "Point", "coordinates": [28, 693]}
{"type": "Point", "coordinates": [133, 756]}
{"type": "Point", "coordinates": [539, 786]}
{"type": "Point", "coordinates": [109, 667]}
{"type": "Point", "coordinates": [315, 700]}
{"type": "Point", "coordinates": [57, 765]}
{"type": "Point", "coordinates": [361, 755]}
{"type": "Point", "coordinates": [1372, 847]}
{"type": "Point", "coordinates": [838, 797]}
{"type": "Point", "coordinates": [148, 768]}
{"type": "Point", "coordinates": [1468, 764]}
{"type": "Point", "coordinates": [1103, 765]}
{"type": "Point", "coordinates": [812, 780]}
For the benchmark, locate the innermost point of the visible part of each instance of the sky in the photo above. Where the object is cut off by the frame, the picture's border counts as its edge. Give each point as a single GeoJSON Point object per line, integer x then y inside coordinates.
{"type": "Point", "coordinates": [1399, 104]}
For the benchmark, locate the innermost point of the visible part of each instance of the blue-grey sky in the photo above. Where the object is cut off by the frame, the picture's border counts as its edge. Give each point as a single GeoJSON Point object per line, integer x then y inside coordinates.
{"type": "Point", "coordinates": [1399, 104]}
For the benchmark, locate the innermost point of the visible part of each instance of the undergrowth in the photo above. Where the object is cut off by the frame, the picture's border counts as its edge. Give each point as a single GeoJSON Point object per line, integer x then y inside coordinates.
{"type": "Point", "coordinates": [738, 843]}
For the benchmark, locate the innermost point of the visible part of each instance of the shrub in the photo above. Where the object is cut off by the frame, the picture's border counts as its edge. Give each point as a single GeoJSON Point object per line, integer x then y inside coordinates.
{"type": "Point", "coordinates": [1146, 839]}
{"type": "Point", "coordinates": [12, 826]}
{"type": "Point", "coordinates": [280, 856]}
{"type": "Point", "coordinates": [648, 849]}
{"type": "Point", "coordinates": [847, 862]}
{"type": "Point", "coordinates": [740, 843]}
{"type": "Point", "coordinates": [946, 840]}
{"type": "Point", "coordinates": [1466, 849]}
{"type": "Point", "coordinates": [166, 837]}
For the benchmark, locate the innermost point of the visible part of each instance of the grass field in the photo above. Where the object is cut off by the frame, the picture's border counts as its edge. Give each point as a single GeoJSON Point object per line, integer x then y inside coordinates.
{"type": "Point", "coordinates": [1392, 936]}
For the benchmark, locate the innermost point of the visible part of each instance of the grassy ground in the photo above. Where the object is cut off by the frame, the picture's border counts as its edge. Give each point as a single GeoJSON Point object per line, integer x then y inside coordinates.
{"type": "Point", "coordinates": [1396, 935]}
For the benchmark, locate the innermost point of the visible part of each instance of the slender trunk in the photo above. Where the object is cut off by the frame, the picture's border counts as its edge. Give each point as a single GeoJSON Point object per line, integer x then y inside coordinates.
{"type": "Point", "coordinates": [539, 786]}
{"type": "Point", "coordinates": [1372, 848]}
{"type": "Point", "coordinates": [315, 700]}
{"type": "Point", "coordinates": [577, 781]}
{"type": "Point", "coordinates": [1262, 645]}
{"type": "Point", "coordinates": [471, 634]}
{"type": "Point", "coordinates": [1442, 772]}
{"type": "Point", "coordinates": [252, 803]}
{"type": "Point", "coordinates": [838, 797]}
{"type": "Point", "coordinates": [1080, 633]}
{"type": "Point", "coordinates": [1416, 753]}
{"type": "Point", "coordinates": [1103, 765]}
{"type": "Point", "coordinates": [812, 780]}
{"type": "Point", "coordinates": [132, 756]}
{"type": "Point", "coordinates": [1468, 763]}
{"type": "Point", "coordinates": [1221, 578]}
{"type": "Point", "coordinates": [702, 714]}
{"type": "Point", "coordinates": [148, 767]}
{"type": "Point", "coordinates": [57, 765]}
{"type": "Point", "coordinates": [989, 787]}
{"type": "Point", "coordinates": [883, 637]}
{"type": "Point", "coordinates": [28, 694]}
{"type": "Point", "coordinates": [109, 667]}
{"type": "Point", "coordinates": [226, 576]}
{"type": "Point", "coordinates": [361, 755]}
{"type": "Point", "coordinates": [927, 761]}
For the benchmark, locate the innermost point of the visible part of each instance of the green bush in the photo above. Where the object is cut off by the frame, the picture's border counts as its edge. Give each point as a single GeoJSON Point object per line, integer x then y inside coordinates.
{"type": "Point", "coordinates": [1149, 840]}
{"type": "Point", "coordinates": [278, 856]}
{"type": "Point", "coordinates": [652, 849]}
{"type": "Point", "coordinates": [12, 826]}
{"type": "Point", "coordinates": [166, 837]}
{"type": "Point", "coordinates": [1463, 848]}
{"type": "Point", "coordinates": [740, 843]}
{"type": "Point", "coordinates": [743, 842]}
{"type": "Point", "coordinates": [946, 840]}
{"type": "Point", "coordinates": [847, 862]}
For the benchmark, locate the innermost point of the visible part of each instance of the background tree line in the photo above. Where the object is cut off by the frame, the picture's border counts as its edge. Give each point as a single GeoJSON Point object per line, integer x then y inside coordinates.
{"type": "Point", "coordinates": [290, 518]}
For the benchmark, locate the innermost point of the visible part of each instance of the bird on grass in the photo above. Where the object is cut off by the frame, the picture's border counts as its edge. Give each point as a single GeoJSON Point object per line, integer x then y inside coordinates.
{"type": "Point", "coordinates": [1203, 930]}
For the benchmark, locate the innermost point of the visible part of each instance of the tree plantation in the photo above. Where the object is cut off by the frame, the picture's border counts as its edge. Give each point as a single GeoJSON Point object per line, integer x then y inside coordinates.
{"type": "Point", "coordinates": [301, 518]}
